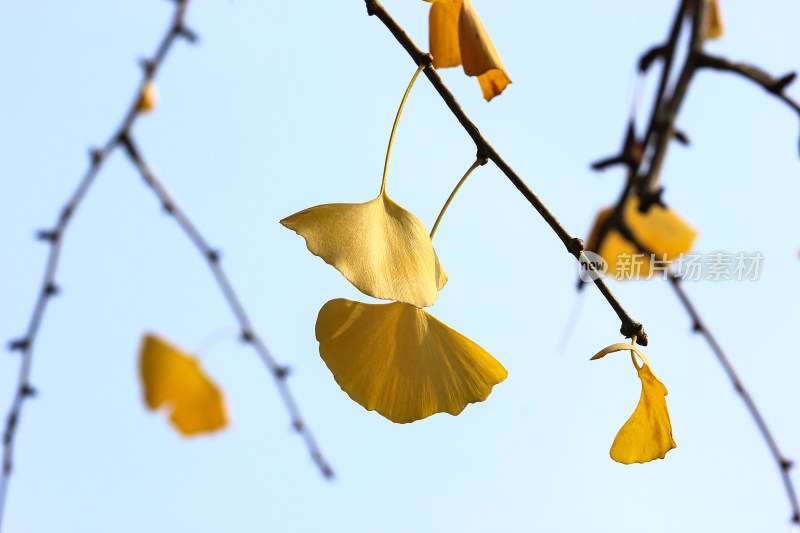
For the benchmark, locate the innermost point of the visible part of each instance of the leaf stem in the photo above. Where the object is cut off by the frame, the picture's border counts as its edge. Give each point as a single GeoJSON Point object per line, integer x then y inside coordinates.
{"type": "Point", "coordinates": [478, 162]}
{"type": "Point", "coordinates": [394, 127]}
{"type": "Point", "coordinates": [633, 353]}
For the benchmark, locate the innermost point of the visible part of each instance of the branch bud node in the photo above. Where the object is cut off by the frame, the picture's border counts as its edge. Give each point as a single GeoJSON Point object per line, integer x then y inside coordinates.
{"type": "Point", "coordinates": [19, 344]}
{"type": "Point", "coordinates": [632, 329]}
{"type": "Point", "coordinates": [50, 289]}
{"type": "Point", "coordinates": [681, 137]}
{"type": "Point", "coordinates": [783, 82]}
{"type": "Point", "coordinates": [186, 33]}
{"type": "Point", "coordinates": [576, 246]}
{"type": "Point", "coordinates": [96, 155]}
{"type": "Point", "coordinates": [148, 67]}
{"type": "Point", "coordinates": [649, 199]}
{"type": "Point", "coordinates": [47, 235]}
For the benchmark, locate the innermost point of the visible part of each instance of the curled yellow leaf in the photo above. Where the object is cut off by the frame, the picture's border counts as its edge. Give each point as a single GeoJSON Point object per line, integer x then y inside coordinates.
{"type": "Point", "coordinates": [382, 249]}
{"type": "Point", "coordinates": [647, 435]}
{"type": "Point", "coordinates": [660, 230]}
{"type": "Point", "coordinates": [443, 29]}
{"type": "Point", "coordinates": [618, 347]}
{"type": "Point", "coordinates": [171, 376]}
{"type": "Point", "coordinates": [457, 36]}
{"type": "Point", "coordinates": [400, 361]}
{"type": "Point", "coordinates": [148, 99]}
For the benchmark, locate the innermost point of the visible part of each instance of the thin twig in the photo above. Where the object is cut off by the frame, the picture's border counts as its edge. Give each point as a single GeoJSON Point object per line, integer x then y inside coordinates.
{"type": "Point", "coordinates": [784, 464]}
{"type": "Point", "coordinates": [661, 125]}
{"type": "Point", "coordinates": [667, 53]}
{"type": "Point", "coordinates": [641, 178]}
{"type": "Point", "coordinates": [55, 238]}
{"type": "Point", "coordinates": [630, 327]}
{"type": "Point", "coordinates": [248, 333]}
{"type": "Point", "coordinates": [771, 84]}
{"type": "Point", "coordinates": [661, 130]}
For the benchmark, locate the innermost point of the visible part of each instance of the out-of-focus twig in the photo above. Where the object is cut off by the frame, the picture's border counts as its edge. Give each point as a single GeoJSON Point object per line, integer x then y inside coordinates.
{"type": "Point", "coordinates": [248, 333]}
{"type": "Point", "coordinates": [55, 236]}
{"type": "Point", "coordinates": [644, 173]}
{"type": "Point", "coordinates": [699, 326]}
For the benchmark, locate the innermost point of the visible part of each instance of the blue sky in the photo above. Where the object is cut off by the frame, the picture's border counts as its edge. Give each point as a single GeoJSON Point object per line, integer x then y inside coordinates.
{"type": "Point", "coordinates": [282, 106]}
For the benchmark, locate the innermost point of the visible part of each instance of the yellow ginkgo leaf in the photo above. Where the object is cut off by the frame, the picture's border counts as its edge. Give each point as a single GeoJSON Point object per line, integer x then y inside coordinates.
{"type": "Point", "coordinates": [647, 435]}
{"type": "Point", "coordinates": [382, 249]}
{"type": "Point", "coordinates": [458, 36]}
{"type": "Point", "coordinates": [660, 231]}
{"type": "Point", "coordinates": [148, 99]}
{"type": "Point", "coordinates": [594, 234]}
{"type": "Point", "coordinates": [171, 376]}
{"type": "Point", "coordinates": [400, 361]}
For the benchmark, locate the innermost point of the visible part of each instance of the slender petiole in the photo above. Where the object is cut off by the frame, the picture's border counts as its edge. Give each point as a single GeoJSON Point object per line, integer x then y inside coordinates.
{"type": "Point", "coordinates": [394, 127]}
{"type": "Point", "coordinates": [478, 162]}
{"type": "Point", "coordinates": [633, 353]}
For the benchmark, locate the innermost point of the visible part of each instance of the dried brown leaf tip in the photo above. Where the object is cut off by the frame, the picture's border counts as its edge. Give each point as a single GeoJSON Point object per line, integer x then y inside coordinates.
{"type": "Point", "coordinates": [457, 36]}
{"type": "Point", "coordinates": [148, 99]}
{"type": "Point", "coordinates": [713, 26]}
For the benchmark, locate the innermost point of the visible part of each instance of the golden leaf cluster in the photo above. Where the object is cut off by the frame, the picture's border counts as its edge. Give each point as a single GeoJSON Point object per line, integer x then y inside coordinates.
{"type": "Point", "coordinates": [394, 358]}
{"type": "Point", "coordinates": [658, 231]}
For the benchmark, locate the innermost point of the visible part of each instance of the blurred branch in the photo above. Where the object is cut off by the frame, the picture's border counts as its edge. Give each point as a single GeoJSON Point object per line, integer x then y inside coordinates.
{"type": "Point", "coordinates": [630, 327]}
{"type": "Point", "coordinates": [54, 237]}
{"type": "Point", "coordinates": [784, 464]}
{"type": "Point", "coordinates": [661, 129]}
{"type": "Point", "coordinates": [644, 175]}
{"type": "Point", "coordinates": [248, 333]}
{"type": "Point", "coordinates": [771, 84]}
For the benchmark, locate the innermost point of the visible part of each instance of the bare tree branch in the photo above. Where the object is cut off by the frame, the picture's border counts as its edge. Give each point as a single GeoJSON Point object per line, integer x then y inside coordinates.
{"type": "Point", "coordinates": [784, 464]}
{"type": "Point", "coordinates": [24, 390]}
{"type": "Point", "coordinates": [630, 327]}
{"type": "Point", "coordinates": [248, 333]}
{"type": "Point", "coordinates": [55, 238]}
